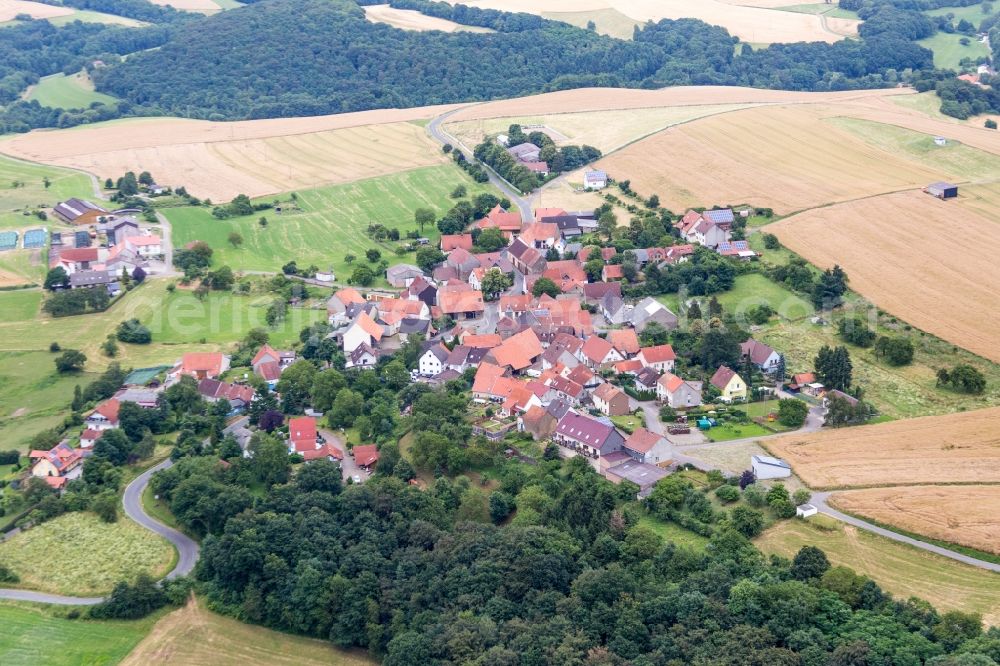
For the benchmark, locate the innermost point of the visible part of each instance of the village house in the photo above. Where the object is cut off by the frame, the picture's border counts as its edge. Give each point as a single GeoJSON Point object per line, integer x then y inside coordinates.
{"type": "Point", "coordinates": [77, 259]}
{"type": "Point", "coordinates": [336, 306]}
{"type": "Point", "coordinates": [761, 355]}
{"type": "Point", "coordinates": [461, 303]}
{"type": "Point", "coordinates": [104, 416]}
{"type": "Point", "coordinates": [537, 422]}
{"type": "Point", "coordinates": [518, 351]}
{"type": "Point", "coordinates": [645, 380]}
{"type": "Point", "coordinates": [462, 262]}
{"type": "Point", "coordinates": [568, 275]}
{"type": "Point", "coordinates": [362, 357]}
{"type": "Point", "coordinates": [147, 398]}
{"type": "Point", "coordinates": [541, 168]}
{"type": "Point", "coordinates": [661, 358]}
{"type": "Point", "coordinates": [613, 308]}
{"type": "Point", "coordinates": [731, 386]}
{"type": "Point", "coordinates": [116, 230]}
{"type": "Point", "coordinates": [597, 352]}
{"type": "Point", "coordinates": [678, 393]}
{"type": "Point", "coordinates": [625, 341]}
{"type": "Point", "coordinates": [59, 462]}
{"type": "Point", "coordinates": [365, 456]}
{"type": "Point", "coordinates": [587, 435]}
{"type": "Point", "coordinates": [79, 212]}
{"type": "Point", "coordinates": [268, 363]}
{"type": "Point", "coordinates": [324, 452]}
{"type": "Point", "coordinates": [239, 396]}
{"type": "Point", "coordinates": [708, 228]}
{"type": "Point", "coordinates": [432, 361]}
{"type": "Point", "coordinates": [648, 447]}
{"type": "Point", "coordinates": [89, 437]}
{"type": "Point", "coordinates": [610, 400]}
{"type": "Point", "coordinates": [540, 235]}
{"type": "Point", "coordinates": [302, 435]}
{"type": "Point", "coordinates": [526, 258]}
{"type": "Point", "coordinates": [451, 242]}
{"type": "Point", "coordinates": [145, 246]}
{"type": "Point", "coordinates": [525, 152]}
{"type": "Point", "coordinates": [363, 330]}
{"type": "Point", "coordinates": [423, 290]}
{"type": "Point", "coordinates": [96, 279]}
{"type": "Point", "coordinates": [650, 310]}
{"type": "Point", "coordinates": [199, 365]}
{"type": "Point", "coordinates": [739, 249]}
{"type": "Point", "coordinates": [509, 222]}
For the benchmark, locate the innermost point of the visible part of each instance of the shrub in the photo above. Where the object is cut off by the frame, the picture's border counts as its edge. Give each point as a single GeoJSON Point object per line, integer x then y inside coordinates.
{"type": "Point", "coordinates": [54, 347]}
{"type": "Point", "coordinates": [10, 457]}
{"type": "Point", "coordinates": [990, 124]}
{"type": "Point", "coordinates": [70, 361]}
{"type": "Point", "coordinates": [792, 413]}
{"type": "Point", "coordinates": [856, 331]}
{"type": "Point", "coordinates": [747, 521]}
{"type": "Point", "coordinates": [727, 493]}
{"type": "Point", "coordinates": [8, 576]}
{"type": "Point", "coordinates": [131, 602]}
{"type": "Point", "coordinates": [771, 242]}
{"type": "Point", "coordinates": [132, 331]}
{"type": "Point", "coordinates": [895, 351]}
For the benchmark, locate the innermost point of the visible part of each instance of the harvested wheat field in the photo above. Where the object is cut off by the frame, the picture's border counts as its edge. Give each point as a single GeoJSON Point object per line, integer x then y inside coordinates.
{"type": "Point", "coordinates": [11, 8]}
{"type": "Point", "coordinates": [952, 448]}
{"type": "Point", "coordinates": [259, 157]}
{"type": "Point", "coordinates": [893, 251]}
{"type": "Point", "coordinates": [966, 515]}
{"type": "Point", "coordinates": [623, 99]}
{"type": "Point", "coordinates": [607, 130]}
{"type": "Point", "coordinates": [751, 24]}
{"type": "Point", "coordinates": [195, 636]}
{"type": "Point", "coordinates": [408, 19]}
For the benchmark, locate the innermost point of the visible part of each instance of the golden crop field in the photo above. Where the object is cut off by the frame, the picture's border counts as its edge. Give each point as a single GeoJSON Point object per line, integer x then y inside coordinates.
{"type": "Point", "coordinates": [906, 253]}
{"type": "Point", "coordinates": [204, 6]}
{"type": "Point", "coordinates": [196, 636]}
{"type": "Point", "coordinates": [11, 8]}
{"type": "Point", "coordinates": [408, 19]}
{"type": "Point", "coordinates": [756, 24]}
{"type": "Point", "coordinates": [962, 447]}
{"type": "Point", "coordinates": [221, 160]}
{"type": "Point", "coordinates": [967, 515]}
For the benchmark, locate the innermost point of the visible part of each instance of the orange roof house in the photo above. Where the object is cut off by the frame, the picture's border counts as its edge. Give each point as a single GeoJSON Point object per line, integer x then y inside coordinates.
{"type": "Point", "coordinates": [451, 242]}
{"type": "Point", "coordinates": [468, 303]}
{"type": "Point", "coordinates": [518, 351]}
{"type": "Point", "coordinates": [365, 455]}
{"type": "Point", "coordinates": [624, 340]}
{"type": "Point", "coordinates": [302, 434]}
{"type": "Point", "coordinates": [508, 222]}
{"type": "Point", "coordinates": [202, 365]}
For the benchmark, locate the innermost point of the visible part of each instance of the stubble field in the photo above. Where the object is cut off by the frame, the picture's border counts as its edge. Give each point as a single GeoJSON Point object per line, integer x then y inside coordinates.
{"type": "Point", "coordinates": [409, 19]}
{"type": "Point", "coordinates": [757, 24]}
{"type": "Point", "coordinates": [952, 448]}
{"type": "Point", "coordinates": [11, 8]}
{"type": "Point", "coordinates": [959, 514]}
{"type": "Point", "coordinates": [906, 254]}
{"type": "Point", "coordinates": [259, 157]}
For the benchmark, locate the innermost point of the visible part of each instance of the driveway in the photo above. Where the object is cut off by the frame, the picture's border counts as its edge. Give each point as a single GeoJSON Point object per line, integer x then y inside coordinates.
{"type": "Point", "coordinates": [347, 465]}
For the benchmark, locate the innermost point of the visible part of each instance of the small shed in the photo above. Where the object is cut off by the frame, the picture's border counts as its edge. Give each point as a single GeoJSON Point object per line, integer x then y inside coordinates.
{"type": "Point", "coordinates": [806, 510]}
{"type": "Point", "coordinates": [767, 467]}
{"type": "Point", "coordinates": [942, 190]}
{"type": "Point", "coordinates": [940, 141]}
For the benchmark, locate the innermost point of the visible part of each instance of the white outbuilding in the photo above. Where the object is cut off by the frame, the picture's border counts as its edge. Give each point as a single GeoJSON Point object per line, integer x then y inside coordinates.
{"type": "Point", "coordinates": [806, 510]}
{"type": "Point", "coordinates": [767, 467]}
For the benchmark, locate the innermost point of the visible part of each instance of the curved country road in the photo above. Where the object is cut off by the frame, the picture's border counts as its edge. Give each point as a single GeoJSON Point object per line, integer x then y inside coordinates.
{"type": "Point", "coordinates": [440, 135]}
{"type": "Point", "coordinates": [187, 548]}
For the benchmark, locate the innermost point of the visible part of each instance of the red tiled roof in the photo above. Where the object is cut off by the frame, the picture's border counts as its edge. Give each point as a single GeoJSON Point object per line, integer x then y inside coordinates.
{"type": "Point", "coordinates": [519, 350]}
{"type": "Point", "coordinates": [498, 217]}
{"type": "Point", "coordinates": [642, 440]}
{"type": "Point", "coordinates": [451, 242]}
{"type": "Point", "coordinates": [581, 374]}
{"type": "Point", "coordinates": [624, 340]}
{"type": "Point", "coordinates": [369, 326]}
{"type": "Point", "coordinates": [302, 433]}
{"type": "Point", "coordinates": [612, 272]}
{"type": "Point", "coordinates": [349, 295]}
{"type": "Point", "coordinates": [74, 254]}
{"type": "Point", "coordinates": [596, 348]}
{"type": "Point", "coordinates": [484, 341]}
{"type": "Point", "coordinates": [365, 454]}
{"type": "Point", "coordinates": [486, 376]}
{"type": "Point", "coordinates": [325, 451]}
{"type": "Point", "coordinates": [456, 302]}
{"type": "Point", "coordinates": [208, 362]}
{"type": "Point", "coordinates": [266, 351]}
{"type": "Point", "coordinates": [542, 213]}
{"type": "Point", "coordinates": [722, 376]}
{"type": "Point", "coordinates": [628, 367]}
{"type": "Point", "coordinates": [269, 371]}
{"type": "Point", "coordinates": [658, 354]}
{"type": "Point", "coordinates": [109, 410]}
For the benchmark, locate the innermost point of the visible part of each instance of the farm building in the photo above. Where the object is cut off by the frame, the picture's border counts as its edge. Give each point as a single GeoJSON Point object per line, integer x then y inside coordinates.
{"type": "Point", "coordinates": [595, 180]}
{"type": "Point", "coordinates": [78, 211]}
{"type": "Point", "coordinates": [766, 467]}
{"type": "Point", "coordinates": [806, 510]}
{"type": "Point", "coordinates": [942, 190]}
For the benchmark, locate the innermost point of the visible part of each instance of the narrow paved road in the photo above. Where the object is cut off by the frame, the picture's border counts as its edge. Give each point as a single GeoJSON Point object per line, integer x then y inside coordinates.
{"type": "Point", "coordinates": [187, 548]}
{"type": "Point", "coordinates": [443, 137]}
{"type": "Point", "coordinates": [819, 500]}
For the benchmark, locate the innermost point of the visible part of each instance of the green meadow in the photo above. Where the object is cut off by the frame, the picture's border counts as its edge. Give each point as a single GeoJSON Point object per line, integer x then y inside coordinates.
{"type": "Point", "coordinates": [67, 92]}
{"type": "Point", "coordinates": [949, 50]}
{"type": "Point", "coordinates": [331, 223]}
{"type": "Point", "coordinates": [22, 189]}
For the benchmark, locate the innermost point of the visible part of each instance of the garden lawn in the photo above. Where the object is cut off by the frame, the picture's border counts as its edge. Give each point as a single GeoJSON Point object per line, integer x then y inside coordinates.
{"type": "Point", "coordinates": [67, 92]}
{"type": "Point", "coordinates": [78, 554]}
{"type": "Point", "coordinates": [753, 289]}
{"type": "Point", "coordinates": [629, 422]}
{"type": "Point", "coordinates": [730, 431]}
{"type": "Point", "coordinates": [63, 184]}
{"type": "Point", "coordinates": [672, 532]}
{"type": "Point", "coordinates": [949, 51]}
{"type": "Point", "coordinates": [331, 223]}
{"type": "Point", "coordinates": [34, 635]}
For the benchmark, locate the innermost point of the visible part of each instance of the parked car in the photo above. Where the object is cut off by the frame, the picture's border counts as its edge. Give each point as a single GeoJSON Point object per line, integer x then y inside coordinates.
{"type": "Point", "coordinates": [357, 478]}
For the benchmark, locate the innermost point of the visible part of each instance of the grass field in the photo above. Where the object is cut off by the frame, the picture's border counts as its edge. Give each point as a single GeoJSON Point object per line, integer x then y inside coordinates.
{"type": "Point", "coordinates": [331, 224]}
{"type": "Point", "coordinates": [949, 50]}
{"type": "Point", "coordinates": [872, 238]}
{"type": "Point", "coordinates": [39, 635]}
{"type": "Point", "coordinates": [22, 267]}
{"type": "Point", "coordinates": [195, 635]}
{"type": "Point", "coordinates": [80, 555]}
{"type": "Point", "coordinates": [952, 448]}
{"type": "Point", "coordinates": [903, 570]}
{"type": "Point", "coordinates": [20, 305]}
{"type": "Point", "coordinates": [33, 397]}
{"type": "Point", "coordinates": [966, 515]}
{"type": "Point", "coordinates": [730, 431]}
{"type": "Point", "coordinates": [31, 192]}
{"type": "Point", "coordinates": [753, 290]}
{"type": "Point", "coordinates": [67, 92]}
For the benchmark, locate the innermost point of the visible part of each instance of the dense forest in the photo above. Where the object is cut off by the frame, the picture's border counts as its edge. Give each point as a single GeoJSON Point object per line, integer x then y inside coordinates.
{"type": "Point", "coordinates": [424, 577]}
